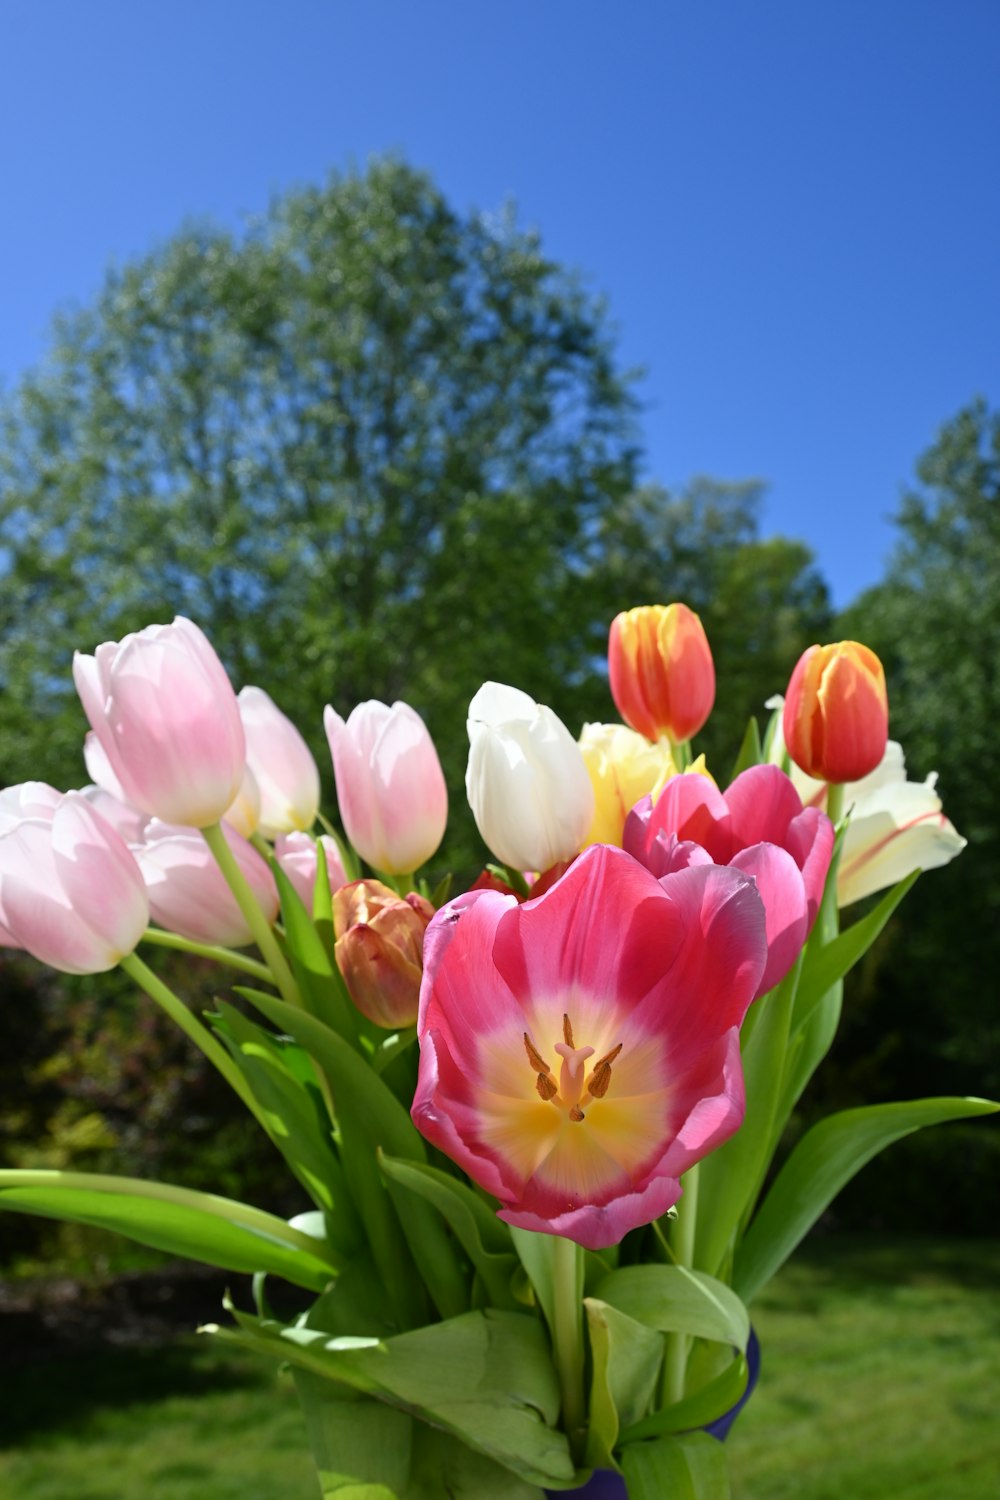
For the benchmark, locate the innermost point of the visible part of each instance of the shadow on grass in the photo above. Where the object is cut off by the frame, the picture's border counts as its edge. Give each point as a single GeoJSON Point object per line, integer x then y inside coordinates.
{"type": "Point", "coordinates": [856, 1263]}
{"type": "Point", "coordinates": [61, 1394]}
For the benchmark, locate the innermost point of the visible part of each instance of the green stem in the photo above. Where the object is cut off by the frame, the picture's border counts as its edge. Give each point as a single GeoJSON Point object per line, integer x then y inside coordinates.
{"type": "Point", "coordinates": [567, 1338]}
{"type": "Point", "coordinates": [164, 939]}
{"type": "Point", "coordinates": [255, 918]}
{"type": "Point", "coordinates": [835, 801]}
{"type": "Point", "coordinates": [680, 753]}
{"type": "Point", "coordinates": [682, 1238]}
{"type": "Point", "coordinates": [192, 1028]}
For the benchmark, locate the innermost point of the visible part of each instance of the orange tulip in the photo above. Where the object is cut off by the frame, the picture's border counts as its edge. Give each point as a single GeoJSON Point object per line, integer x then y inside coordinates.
{"type": "Point", "coordinates": [836, 719]}
{"type": "Point", "coordinates": [662, 675]}
{"type": "Point", "coordinates": [379, 949]}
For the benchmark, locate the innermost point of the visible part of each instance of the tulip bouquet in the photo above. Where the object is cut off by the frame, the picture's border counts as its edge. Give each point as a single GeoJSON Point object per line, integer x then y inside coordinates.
{"type": "Point", "coordinates": [533, 1122]}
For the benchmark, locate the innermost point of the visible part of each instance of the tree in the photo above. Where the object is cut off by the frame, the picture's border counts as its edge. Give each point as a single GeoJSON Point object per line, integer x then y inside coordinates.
{"type": "Point", "coordinates": [926, 1010]}
{"type": "Point", "coordinates": [367, 446]}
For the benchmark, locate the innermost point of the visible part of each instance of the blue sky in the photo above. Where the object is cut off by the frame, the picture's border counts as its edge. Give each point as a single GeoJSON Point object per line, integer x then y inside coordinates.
{"type": "Point", "coordinates": [792, 208]}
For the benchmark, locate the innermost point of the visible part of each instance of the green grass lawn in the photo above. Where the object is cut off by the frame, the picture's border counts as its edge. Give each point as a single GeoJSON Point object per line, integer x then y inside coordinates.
{"type": "Point", "coordinates": [880, 1379]}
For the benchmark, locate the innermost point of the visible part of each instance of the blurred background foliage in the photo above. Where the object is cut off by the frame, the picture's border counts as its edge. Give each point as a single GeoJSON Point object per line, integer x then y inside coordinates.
{"type": "Point", "coordinates": [377, 450]}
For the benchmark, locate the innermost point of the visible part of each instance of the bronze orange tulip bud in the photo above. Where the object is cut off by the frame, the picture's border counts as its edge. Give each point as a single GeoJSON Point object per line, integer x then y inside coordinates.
{"type": "Point", "coordinates": [836, 719]}
{"type": "Point", "coordinates": [379, 949]}
{"type": "Point", "coordinates": [661, 670]}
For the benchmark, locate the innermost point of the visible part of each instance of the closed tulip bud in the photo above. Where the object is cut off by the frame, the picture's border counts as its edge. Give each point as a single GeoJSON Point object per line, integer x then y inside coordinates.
{"type": "Point", "coordinates": [661, 670]}
{"type": "Point", "coordinates": [282, 764]}
{"type": "Point", "coordinates": [526, 780]}
{"type": "Point", "coordinates": [836, 717]}
{"type": "Point", "coordinates": [167, 719]}
{"type": "Point", "coordinates": [70, 892]}
{"type": "Point", "coordinates": [379, 950]}
{"type": "Point", "coordinates": [390, 786]}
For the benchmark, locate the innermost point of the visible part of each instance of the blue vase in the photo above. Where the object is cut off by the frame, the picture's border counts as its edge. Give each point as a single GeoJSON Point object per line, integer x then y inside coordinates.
{"type": "Point", "coordinates": [607, 1484]}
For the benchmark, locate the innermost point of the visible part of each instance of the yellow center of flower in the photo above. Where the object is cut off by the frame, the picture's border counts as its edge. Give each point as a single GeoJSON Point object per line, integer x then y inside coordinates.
{"type": "Point", "coordinates": [575, 1088]}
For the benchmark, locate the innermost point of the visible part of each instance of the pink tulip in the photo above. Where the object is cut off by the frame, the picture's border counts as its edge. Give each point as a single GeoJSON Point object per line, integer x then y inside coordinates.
{"type": "Point", "coordinates": [30, 799]}
{"type": "Point", "coordinates": [243, 813]}
{"type": "Point", "coordinates": [282, 763]}
{"type": "Point", "coordinates": [758, 826]}
{"type": "Point", "coordinates": [70, 892]}
{"type": "Point", "coordinates": [390, 787]}
{"type": "Point", "coordinates": [296, 854]}
{"type": "Point", "coordinates": [187, 892]}
{"type": "Point", "coordinates": [580, 1051]}
{"type": "Point", "coordinates": [167, 719]}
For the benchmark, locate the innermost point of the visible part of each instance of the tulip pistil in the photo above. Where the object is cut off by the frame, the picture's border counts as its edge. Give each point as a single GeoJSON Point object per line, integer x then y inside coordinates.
{"type": "Point", "coordinates": [573, 1086]}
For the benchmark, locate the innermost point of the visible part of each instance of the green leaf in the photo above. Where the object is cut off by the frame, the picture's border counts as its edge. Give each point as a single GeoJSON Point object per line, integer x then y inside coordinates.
{"type": "Point", "coordinates": [826, 963]}
{"type": "Point", "coordinates": [729, 1177]}
{"type": "Point", "coordinates": [826, 1158]}
{"type": "Point", "coordinates": [366, 1450]}
{"type": "Point", "coordinates": [626, 1363]}
{"type": "Point", "coordinates": [673, 1299]}
{"type": "Point", "coordinates": [317, 976]}
{"type": "Point", "coordinates": [486, 1378]}
{"type": "Point", "coordinates": [706, 1405]}
{"type": "Point", "coordinates": [293, 1115]}
{"type": "Point", "coordinates": [200, 1226]}
{"type": "Point", "coordinates": [485, 1239]}
{"type": "Point", "coordinates": [536, 1253]}
{"type": "Point", "coordinates": [360, 1448]}
{"type": "Point", "coordinates": [750, 751]}
{"type": "Point", "coordinates": [371, 1117]}
{"type": "Point", "coordinates": [677, 1468]}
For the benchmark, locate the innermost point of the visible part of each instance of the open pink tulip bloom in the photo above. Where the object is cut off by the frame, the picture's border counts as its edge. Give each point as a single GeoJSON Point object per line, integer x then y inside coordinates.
{"type": "Point", "coordinates": [167, 719]}
{"type": "Point", "coordinates": [70, 892]}
{"type": "Point", "coordinates": [580, 1051]}
{"type": "Point", "coordinates": [390, 786]}
{"type": "Point", "coordinates": [758, 826]}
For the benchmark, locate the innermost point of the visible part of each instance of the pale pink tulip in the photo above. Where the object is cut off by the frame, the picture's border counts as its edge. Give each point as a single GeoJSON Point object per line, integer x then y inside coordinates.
{"type": "Point", "coordinates": [187, 892]}
{"type": "Point", "coordinates": [243, 813]}
{"type": "Point", "coordinates": [390, 786]}
{"type": "Point", "coordinates": [580, 1051]}
{"type": "Point", "coordinates": [296, 854]}
{"type": "Point", "coordinates": [29, 799]}
{"type": "Point", "coordinates": [282, 763]}
{"type": "Point", "coordinates": [70, 892]}
{"type": "Point", "coordinates": [167, 719]}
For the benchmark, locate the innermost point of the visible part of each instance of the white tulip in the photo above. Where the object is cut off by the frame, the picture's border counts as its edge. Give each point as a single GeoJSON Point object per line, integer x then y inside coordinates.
{"type": "Point", "coordinates": [527, 781]}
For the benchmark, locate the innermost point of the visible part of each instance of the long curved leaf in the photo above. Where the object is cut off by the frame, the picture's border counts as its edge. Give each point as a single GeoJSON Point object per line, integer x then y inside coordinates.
{"type": "Point", "coordinates": [825, 1159]}
{"type": "Point", "coordinates": [199, 1226]}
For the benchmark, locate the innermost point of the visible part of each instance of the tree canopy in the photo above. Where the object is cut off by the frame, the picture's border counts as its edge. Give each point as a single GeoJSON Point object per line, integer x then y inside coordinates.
{"type": "Point", "coordinates": [367, 446]}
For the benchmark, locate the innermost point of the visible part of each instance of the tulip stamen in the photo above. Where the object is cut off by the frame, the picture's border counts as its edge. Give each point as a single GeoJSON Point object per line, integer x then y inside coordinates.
{"type": "Point", "coordinates": [572, 1087]}
{"type": "Point", "coordinates": [600, 1078]}
{"type": "Point", "coordinates": [535, 1058]}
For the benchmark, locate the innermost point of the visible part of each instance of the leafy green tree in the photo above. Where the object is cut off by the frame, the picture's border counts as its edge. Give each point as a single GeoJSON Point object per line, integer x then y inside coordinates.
{"type": "Point", "coordinates": [367, 446]}
{"type": "Point", "coordinates": [924, 1019]}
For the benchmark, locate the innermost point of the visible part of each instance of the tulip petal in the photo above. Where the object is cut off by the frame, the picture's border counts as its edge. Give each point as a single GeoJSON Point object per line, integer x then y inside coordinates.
{"type": "Point", "coordinates": [779, 881]}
